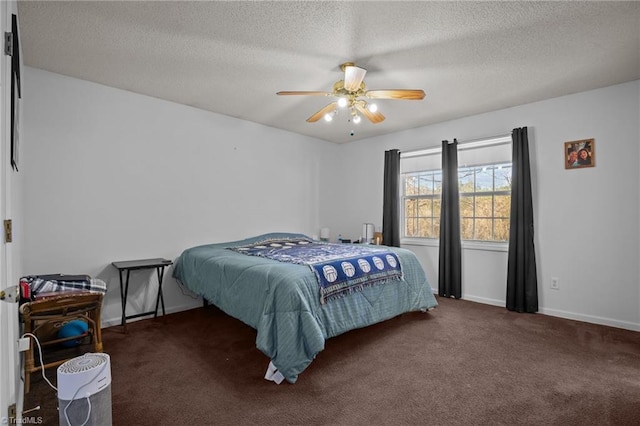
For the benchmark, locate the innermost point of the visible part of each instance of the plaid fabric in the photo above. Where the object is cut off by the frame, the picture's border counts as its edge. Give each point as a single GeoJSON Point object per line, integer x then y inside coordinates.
{"type": "Point", "coordinates": [39, 286]}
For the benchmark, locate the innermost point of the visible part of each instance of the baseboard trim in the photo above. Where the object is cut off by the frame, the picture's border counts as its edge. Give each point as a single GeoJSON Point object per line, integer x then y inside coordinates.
{"type": "Point", "coordinates": [593, 319]}
{"type": "Point", "coordinates": [627, 325]}
{"type": "Point", "coordinates": [110, 322]}
{"type": "Point", "coordinates": [485, 300]}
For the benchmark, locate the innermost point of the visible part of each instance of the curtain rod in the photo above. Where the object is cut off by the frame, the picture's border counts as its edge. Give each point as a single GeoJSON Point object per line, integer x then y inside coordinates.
{"type": "Point", "coordinates": [473, 142]}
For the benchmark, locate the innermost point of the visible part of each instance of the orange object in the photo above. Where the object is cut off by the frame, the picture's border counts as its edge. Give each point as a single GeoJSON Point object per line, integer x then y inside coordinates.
{"type": "Point", "coordinates": [377, 238]}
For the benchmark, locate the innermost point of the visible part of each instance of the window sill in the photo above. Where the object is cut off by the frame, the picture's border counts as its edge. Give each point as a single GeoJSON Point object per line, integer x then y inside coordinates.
{"type": "Point", "coordinates": [485, 245]}
{"type": "Point", "coordinates": [466, 245]}
{"type": "Point", "coordinates": [419, 242]}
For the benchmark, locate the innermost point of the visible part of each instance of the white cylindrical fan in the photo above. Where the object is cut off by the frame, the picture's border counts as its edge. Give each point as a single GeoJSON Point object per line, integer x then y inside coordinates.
{"type": "Point", "coordinates": [84, 391]}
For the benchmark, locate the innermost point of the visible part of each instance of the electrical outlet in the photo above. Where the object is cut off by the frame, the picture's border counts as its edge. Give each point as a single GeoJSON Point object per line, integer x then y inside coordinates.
{"type": "Point", "coordinates": [23, 344]}
{"type": "Point", "coordinates": [555, 283]}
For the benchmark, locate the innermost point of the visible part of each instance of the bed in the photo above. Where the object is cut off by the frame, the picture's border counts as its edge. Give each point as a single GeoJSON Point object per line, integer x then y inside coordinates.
{"type": "Point", "coordinates": [296, 303]}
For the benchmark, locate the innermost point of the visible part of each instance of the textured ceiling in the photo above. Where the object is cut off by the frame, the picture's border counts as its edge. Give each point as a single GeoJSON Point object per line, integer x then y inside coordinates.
{"type": "Point", "coordinates": [232, 57]}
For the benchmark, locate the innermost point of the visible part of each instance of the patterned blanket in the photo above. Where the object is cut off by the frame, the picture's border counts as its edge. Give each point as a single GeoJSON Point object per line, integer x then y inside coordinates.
{"type": "Point", "coordinates": [34, 287]}
{"type": "Point", "coordinates": [339, 268]}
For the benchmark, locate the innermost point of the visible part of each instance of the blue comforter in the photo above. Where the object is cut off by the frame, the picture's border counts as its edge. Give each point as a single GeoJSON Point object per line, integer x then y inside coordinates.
{"type": "Point", "coordinates": [282, 300]}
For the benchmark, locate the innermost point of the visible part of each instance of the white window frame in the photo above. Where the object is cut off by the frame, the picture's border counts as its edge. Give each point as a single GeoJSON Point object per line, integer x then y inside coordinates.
{"type": "Point", "coordinates": [501, 246]}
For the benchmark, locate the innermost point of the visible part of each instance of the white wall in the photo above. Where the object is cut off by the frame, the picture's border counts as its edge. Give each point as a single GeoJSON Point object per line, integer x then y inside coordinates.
{"type": "Point", "coordinates": [586, 220]}
{"type": "Point", "coordinates": [109, 175]}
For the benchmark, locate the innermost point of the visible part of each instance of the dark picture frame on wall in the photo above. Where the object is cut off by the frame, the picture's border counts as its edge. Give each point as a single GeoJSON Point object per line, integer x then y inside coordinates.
{"type": "Point", "coordinates": [580, 154]}
{"type": "Point", "coordinates": [16, 92]}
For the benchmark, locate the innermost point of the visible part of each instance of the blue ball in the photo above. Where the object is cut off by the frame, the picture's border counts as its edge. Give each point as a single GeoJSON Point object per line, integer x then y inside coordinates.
{"type": "Point", "coordinates": [71, 329]}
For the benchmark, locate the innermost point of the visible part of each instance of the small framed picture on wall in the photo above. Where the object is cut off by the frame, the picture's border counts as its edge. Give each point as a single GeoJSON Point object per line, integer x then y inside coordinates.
{"type": "Point", "coordinates": [580, 154]}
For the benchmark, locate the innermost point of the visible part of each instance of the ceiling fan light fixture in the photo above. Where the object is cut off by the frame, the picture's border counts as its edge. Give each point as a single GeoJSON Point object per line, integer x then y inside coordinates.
{"type": "Point", "coordinates": [353, 76]}
{"type": "Point", "coordinates": [348, 93]}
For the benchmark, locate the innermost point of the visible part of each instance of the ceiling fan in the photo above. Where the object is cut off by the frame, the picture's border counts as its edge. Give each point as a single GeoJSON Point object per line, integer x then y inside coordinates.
{"type": "Point", "coordinates": [349, 91]}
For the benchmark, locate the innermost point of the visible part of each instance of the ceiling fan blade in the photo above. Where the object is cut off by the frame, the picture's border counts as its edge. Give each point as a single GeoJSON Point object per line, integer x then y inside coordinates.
{"type": "Point", "coordinates": [406, 94]}
{"type": "Point", "coordinates": [308, 93]}
{"type": "Point", "coordinates": [374, 117]}
{"type": "Point", "coordinates": [326, 110]}
{"type": "Point", "coordinates": [353, 77]}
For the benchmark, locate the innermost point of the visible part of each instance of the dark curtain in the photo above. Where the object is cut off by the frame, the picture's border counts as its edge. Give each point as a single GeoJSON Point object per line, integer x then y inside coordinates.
{"type": "Point", "coordinates": [391, 202]}
{"type": "Point", "coordinates": [16, 91]}
{"type": "Point", "coordinates": [450, 260]}
{"type": "Point", "coordinates": [522, 280]}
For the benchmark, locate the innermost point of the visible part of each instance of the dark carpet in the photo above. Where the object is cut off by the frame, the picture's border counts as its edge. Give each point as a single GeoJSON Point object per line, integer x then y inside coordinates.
{"type": "Point", "coordinates": [463, 363]}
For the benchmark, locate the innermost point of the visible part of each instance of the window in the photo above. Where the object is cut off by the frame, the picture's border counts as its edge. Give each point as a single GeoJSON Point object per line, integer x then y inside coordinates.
{"type": "Point", "coordinates": [484, 179]}
{"type": "Point", "coordinates": [422, 204]}
{"type": "Point", "coordinates": [485, 202]}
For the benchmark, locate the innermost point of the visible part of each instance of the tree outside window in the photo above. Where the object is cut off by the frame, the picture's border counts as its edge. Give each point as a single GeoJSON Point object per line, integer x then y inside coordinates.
{"type": "Point", "coordinates": [485, 202]}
